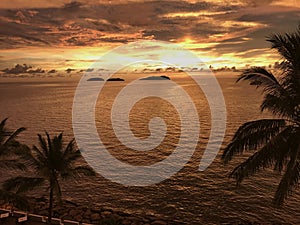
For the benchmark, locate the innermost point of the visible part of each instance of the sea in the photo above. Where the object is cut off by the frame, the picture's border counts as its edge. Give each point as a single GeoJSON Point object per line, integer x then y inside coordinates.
{"type": "Point", "coordinates": [188, 195]}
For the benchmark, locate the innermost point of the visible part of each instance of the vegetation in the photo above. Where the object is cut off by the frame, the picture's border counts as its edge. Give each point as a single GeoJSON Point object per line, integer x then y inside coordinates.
{"type": "Point", "coordinates": [276, 141]}
{"type": "Point", "coordinates": [9, 147]}
{"type": "Point", "coordinates": [51, 163]}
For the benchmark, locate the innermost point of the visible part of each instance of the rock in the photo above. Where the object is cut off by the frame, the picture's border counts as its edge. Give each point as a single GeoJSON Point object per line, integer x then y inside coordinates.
{"type": "Point", "coordinates": [78, 218]}
{"type": "Point", "coordinates": [150, 217]}
{"type": "Point", "coordinates": [59, 209]}
{"type": "Point", "coordinates": [145, 220]}
{"type": "Point", "coordinates": [133, 220]}
{"type": "Point", "coordinates": [74, 212]}
{"type": "Point", "coordinates": [126, 222]}
{"type": "Point", "coordinates": [93, 210]}
{"type": "Point", "coordinates": [41, 199]}
{"type": "Point", "coordinates": [86, 221]}
{"type": "Point", "coordinates": [66, 216]}
{"type": "Point", "coordinates": [123, 214]}
{"type": "Point", "coordinates": [71, 203]}
{"type": "Point", "coordinates": [94, 214]}
{"type": "Point", "coordinates": [87, 214]}
{"type": "Point", "coordinates": [95, 217]}
{"type": "Point", "coordinates": [105, 214]}
{"type": "Point", "coordinates": [159, 222]}
{"type": "Point", "coordinates": [116, 216]}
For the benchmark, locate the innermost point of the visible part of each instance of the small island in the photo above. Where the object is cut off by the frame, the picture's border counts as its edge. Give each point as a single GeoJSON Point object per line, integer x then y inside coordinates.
{"type": "Point", "coordinates": [163, 77]}
{"type": "Point", "coordinates": [115, 79]}
{"type": "Point", "coordinates": [95, 79]}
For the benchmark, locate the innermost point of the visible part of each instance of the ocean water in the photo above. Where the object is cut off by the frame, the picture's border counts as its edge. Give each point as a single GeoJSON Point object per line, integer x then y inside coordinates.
{"type": "Point", "coordinates": [190, 195]}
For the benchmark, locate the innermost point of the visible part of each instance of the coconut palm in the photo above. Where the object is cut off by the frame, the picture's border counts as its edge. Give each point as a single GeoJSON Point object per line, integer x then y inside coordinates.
{"type": "Point", "coordinates": [276, 141]}
{"type": "Point", "coordinates": [9, 147]}
{"type": "Point", "coordinates": [51, 162]}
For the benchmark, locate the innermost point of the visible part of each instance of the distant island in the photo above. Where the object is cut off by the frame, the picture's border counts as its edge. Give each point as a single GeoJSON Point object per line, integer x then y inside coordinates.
{"type": "Point", "coordinates": [163, 77]}
{"type": "Point", "coordinates": [95, 79]}
{"type": "Point", "coordinates": [115, 79]}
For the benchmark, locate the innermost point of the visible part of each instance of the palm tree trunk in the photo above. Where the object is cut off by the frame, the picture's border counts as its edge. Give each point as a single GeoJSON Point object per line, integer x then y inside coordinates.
{"type": "Point", "coordinates": [50, 204]}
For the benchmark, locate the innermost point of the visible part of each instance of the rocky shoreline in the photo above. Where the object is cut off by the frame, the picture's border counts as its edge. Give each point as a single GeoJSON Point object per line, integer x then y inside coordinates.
{"type": "Point", "coordinates": [72, 211]}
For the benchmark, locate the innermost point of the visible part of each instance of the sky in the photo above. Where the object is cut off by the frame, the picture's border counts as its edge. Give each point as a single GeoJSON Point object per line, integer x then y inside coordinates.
{"type": "Point", "coordinates": [60, 34]}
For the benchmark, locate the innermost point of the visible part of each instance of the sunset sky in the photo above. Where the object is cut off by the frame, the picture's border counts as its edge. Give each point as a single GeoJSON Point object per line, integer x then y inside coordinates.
{"type": "Point", "coordinates": [60, 34]}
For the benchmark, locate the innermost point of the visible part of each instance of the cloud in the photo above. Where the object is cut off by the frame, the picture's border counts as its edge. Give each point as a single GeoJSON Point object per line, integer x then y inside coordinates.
{"type": "Point", "coordinates": [256, 3]}
{"type": "Point", "coordinates": [18, 69]}
{"type": "Point", "coordinates": [218, 27]}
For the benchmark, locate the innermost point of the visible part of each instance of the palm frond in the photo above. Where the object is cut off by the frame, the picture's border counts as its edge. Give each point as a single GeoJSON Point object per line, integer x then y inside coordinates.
{"type": "Point", "coordinates": [85, 170]}
{"type": "Point", "coordinates": [8, 144]}
{"type": "Point", "coordinates": [35, 158]}
{"type": "Point", "coordinates": [43, 145]}
{"type": "Point", "coordinates": [263, 158]}
{"type": "Point", "coordinates": [16, 200]}
{"type": "Point", "coordinates": [287, 45]}
{"type": "Point", "coordinates": [12, 164]}
{"type": "Point", "coordinates": [260, 77]}
{"type": "Point", "coordinates": [252, 135]}
{"type": "Point", "coordinates": [57, 142]}
{"type": "Point", "coordinates": [2, 124]}
{"type": "Point", "coordinates": [283, 154]}
{"type": "Point", "coordinates": [49, 142]}
{"type": "Point", "coordinates": [75, 172]}
{"type": "Point", "coordinates": [3, 131]}
{"type": "Point", "coordinates": [14, 135]}
{"type": "Point", "coordinates": [73, 156]}
{"type": "Point", "coordinates": [69, 149]}
{"type": "Point", "coordinates": [276, 90]}
{"type": "Point", "coordinates": [22, 184]}
{"type": "Point", "coordinates": [280, 106]}
{"type": "Point", "coordinates": [288, 182]}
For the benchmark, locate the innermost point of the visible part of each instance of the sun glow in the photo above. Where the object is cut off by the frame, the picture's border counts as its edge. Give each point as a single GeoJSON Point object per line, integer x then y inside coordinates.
{"type": "Point", "coordinates": [188, 40]}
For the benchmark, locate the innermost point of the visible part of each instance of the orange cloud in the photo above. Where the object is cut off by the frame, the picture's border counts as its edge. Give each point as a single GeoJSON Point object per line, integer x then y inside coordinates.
{"type": "Point", "coordinates": [230, 30]}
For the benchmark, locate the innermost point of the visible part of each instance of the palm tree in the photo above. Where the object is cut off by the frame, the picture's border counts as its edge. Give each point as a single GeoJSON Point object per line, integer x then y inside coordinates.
{"type": "Point", "coordinates": [9, 147]}
{"type": "Point", "coordinates": [51, 162]}
{"type": "Point", "coordinates": [276, 141]}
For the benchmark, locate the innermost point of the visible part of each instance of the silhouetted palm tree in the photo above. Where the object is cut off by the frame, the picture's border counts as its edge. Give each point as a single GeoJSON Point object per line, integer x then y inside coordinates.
{"type": "Point", "coordinates": [8, 160]}
{"type": "Point", "coordinates": [51, 162]}
{"type": "Point", "coordinates": [276, 141]}
{"type": "Point", "coordinates": [8, 147]}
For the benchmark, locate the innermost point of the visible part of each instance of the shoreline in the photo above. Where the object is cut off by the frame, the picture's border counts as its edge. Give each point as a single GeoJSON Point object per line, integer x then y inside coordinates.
{"type": "Point", "coordinates": [91, 215]}
{"type": "Point", "coordinates": [70, 213]}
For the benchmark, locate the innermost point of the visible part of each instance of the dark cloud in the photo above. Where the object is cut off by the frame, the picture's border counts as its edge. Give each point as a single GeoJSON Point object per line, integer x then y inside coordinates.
{"type": "Point", "coordinates": [18, 69]}
{"type": "Point", "coordinates": [164, 35]}
{"type": "Point", "coordinates": [205, 29]}
{"type": "Point", "coordinates": [234, 28]}
{"type": "Point", "coordinates": [115, 40]}
{"type": "Point", "coordinates": [256, 3]}
{"type": "Point", "coordinates": [74, 5]}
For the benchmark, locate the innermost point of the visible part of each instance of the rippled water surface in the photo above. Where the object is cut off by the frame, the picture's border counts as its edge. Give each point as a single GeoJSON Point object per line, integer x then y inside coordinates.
{"type": "Point", "coordinates": [190, 196]}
